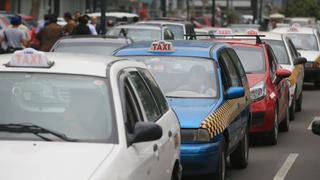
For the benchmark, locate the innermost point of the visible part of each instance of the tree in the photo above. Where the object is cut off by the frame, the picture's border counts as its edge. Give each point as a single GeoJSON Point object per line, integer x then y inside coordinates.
{"type": "Point", "coordinates": [303, 8]}
{"type": "Point", "coordinates": [35, 8]}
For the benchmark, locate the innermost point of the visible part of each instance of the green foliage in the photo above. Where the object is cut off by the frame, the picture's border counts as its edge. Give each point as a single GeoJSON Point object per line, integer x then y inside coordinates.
{"type": "Point", "coordinates": [303, 8]}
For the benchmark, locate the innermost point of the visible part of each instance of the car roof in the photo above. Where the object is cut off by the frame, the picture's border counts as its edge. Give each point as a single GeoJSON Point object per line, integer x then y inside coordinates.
{"type": "Point", "coordinates": [138, 26]}
{"type": "Point", "coordinates": [66, 63]}
{"type": "Point", "coordinates": [115, 14]}
{"type": "Point", "coordinates": [301, 30]}
{"type": "Point", "coordinates": [100, 39]}
{"type": "Point", "coordinates": [163, 22]}
{"type": "Point", "coordinates": [188, 48]}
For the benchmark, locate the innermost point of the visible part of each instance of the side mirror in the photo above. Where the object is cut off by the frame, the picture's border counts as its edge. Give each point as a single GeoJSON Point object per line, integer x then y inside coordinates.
{"type": "Point", "coordinates": [316, 127]}
{"type": "Point", "coordinates": [235, 92]}
{"type": "Point", "coordinates": [283, 73]}
{"type": "Point", "coordinates": [300, 60]}
{"type": "Point", "coordinates": [146, 131]}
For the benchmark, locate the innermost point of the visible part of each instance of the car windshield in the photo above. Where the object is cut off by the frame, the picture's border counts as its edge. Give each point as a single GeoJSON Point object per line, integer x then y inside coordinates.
{"type": "Point", "coordinates": [306, 42]}
{"type": "Point", "coordinates": [88, 47]}
{"type": "Point", "coordinates": [192, 77]}
{"type": "Point", "coordinates": [252, 59]}
{"type": "Point", "coordinates": [279, 50]}
{"type": "Point", "coordinates": [177, 30]}
{"type": "Point", "coordinates": [137, 34]}
{"type": "Point", "coordinates": [77, 106]}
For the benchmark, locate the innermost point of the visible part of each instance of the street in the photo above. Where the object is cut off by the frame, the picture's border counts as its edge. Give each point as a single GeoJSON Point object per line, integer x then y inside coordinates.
{"type": "Point", "coordinates": [266, 161]}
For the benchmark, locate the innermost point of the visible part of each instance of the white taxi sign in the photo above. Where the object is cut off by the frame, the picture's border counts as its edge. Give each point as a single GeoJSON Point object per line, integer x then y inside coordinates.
{"type": "Point", "coordinates": [29, 58]}
{"type": "Point", "coordinates": [294, 28]}
{"type": "Point", "coordinates": [162, 46]}
{"type": "Point", "coordinates": [252, 32]}
{"type": "Point", "coordinates": [223, 31]}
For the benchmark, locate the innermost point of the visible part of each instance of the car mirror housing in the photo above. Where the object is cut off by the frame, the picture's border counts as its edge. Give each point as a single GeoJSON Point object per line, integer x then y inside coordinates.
{"type": "Point", "coordinates": [316, 127]}
{"type": "Point", "coordinates": [300, 60]}
{"type": "Point", "coordinates": [283, 73]}
{"type": "Point", "coordinates": [146, 131]}
{"type": "Point", "coordinates": [235, 92]}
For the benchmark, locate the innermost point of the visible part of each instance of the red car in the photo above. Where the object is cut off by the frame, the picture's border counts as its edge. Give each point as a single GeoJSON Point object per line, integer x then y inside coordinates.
{"type": "Point", "coordinates": [268, 86]}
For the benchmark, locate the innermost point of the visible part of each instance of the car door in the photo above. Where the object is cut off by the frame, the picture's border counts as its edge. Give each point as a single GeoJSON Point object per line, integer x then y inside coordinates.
{"type": "Point", "coordinates": [143, 161]}
{"type": "Point", "coordinates": [163, 148]}
{"type": "Point", "coordinates": [233, 80]}
{"type": "Point", "coordinates": [245, 101]}
{"type": "Point", "coordinates": [279, 87]}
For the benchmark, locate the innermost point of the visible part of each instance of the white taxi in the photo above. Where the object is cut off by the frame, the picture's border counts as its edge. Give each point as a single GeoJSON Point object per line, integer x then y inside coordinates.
{"type": "Point", "coordinates": [84, 117]}
{"type": "Point", "coordinates": [307, 42]}
{"type": "Point", "coordinates": [289, 59]}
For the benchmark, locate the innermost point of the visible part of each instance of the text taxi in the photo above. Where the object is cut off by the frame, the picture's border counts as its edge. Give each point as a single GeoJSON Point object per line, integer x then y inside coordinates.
{"type": "Point", "coordinates": [206, 85]}
{"type": "Point", "coordinates": [64, 117]}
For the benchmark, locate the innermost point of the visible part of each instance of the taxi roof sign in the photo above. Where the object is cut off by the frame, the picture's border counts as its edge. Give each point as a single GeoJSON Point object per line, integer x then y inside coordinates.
{"type": "Point", "coordinates": [162, 46]}
{"type": "Point", "coordinates": [252, 31]}
{"type": "Point", "coordinates": [224, 31]}
{"type": "Point", "coordinates": [29, 58]}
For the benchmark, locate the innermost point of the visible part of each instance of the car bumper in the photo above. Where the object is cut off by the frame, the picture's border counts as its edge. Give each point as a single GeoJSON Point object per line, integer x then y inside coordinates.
{"type": "Point", "coordinates": [311, 74]}
{"type": "Point", "coordinates": [262, 116]}
{"type": "Point", "coordinates": [200, 159]}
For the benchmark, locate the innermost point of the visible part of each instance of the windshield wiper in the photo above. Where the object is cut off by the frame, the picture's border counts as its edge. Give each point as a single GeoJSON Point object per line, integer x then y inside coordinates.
{"type": "Point", "coordinates": [34, 129]}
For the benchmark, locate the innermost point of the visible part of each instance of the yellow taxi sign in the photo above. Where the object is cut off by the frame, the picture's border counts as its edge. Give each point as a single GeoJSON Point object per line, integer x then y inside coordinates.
{"type": "Point", "coordinates": [252, 32]}
{"type": "Point", "coordinates": [29, 58]}
{"type": "Point", "coordinates": [223, 31]}
{"type": "Point", "coordinates": [162, 46]}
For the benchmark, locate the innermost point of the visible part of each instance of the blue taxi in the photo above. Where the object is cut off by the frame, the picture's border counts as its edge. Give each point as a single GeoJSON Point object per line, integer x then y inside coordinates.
{"type": "Point", "coordinates": [206, 85]}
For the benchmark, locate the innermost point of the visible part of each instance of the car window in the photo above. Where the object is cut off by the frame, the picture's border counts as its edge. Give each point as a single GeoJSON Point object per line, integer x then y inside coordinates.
{"type": "Point", "coordinates": [280, 51]}
{"type": "Point", "coordinates": [147, 100]}
{"type": "Point", "coordinates": [177, 31]}
{"type": "Point", "coordinates": [234, 57]}
{"type": "Point", "coordinates": [232, 71]}
{"type": "Point", "coordinates": [136, 34]}
{"type": "Point", "coordinates": [159, 97]}
{"type": "Point", "coordinates": [252, 59]}
{"type": "Point", "coordinates": [306, 42]}
{"type": "Point", "coordinates": [293, 49]}
{"type": "Point", "coordinates": [97, 48]}
{"type": "Point", "coordinates": [272, 62]}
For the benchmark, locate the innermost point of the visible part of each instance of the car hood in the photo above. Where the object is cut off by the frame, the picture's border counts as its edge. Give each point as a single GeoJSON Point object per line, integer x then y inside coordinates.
{"type": "Point", "coordinates": [310, 55]}
{"type": "Point", "coordinates": [254, 79]}
{"type": "Point", "coordinates": [50, 160]}
{"type": "Point", "coordinates": [191, 112]}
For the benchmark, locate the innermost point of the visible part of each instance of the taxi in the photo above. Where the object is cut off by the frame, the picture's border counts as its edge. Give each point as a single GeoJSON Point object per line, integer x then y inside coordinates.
{"type": "Point", "coordinates": [289, 59]}
{"type": "Point", "coordinates": [307, 42]}
{"type": "Point", "coordinates": [64, 117]}
{"type": "Point", "coordinates": [206, 86]}
{"type": "Point", "coordinates": [269, 88]}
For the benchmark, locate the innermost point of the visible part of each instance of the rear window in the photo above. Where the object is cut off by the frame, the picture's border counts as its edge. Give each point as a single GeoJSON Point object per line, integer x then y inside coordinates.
{"type": "Point", "coordinates": [280, 51]}
{"type": "Point", "coordinates": [307, 42]}
{"type": "Point", "coordinates": [252, 59]}
{"type": "Point", "coordinates": [88, 48]}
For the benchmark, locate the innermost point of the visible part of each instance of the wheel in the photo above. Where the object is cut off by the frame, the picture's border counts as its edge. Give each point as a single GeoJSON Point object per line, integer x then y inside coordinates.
{"type": "Point", "coordinates": [239, 158]}
{"type": "Point", "coordinates": [221, 172]}
{"type": "Point", "coordinates": [292, 109]}
{"type": "Point", "coordinates": [284, 125]}
{"type": "Point", "coordinates": [317, 84]}
{"type": "Point", "coordinates": [272, 137]}
{"type": "Point", "coordinates": [299, 103]}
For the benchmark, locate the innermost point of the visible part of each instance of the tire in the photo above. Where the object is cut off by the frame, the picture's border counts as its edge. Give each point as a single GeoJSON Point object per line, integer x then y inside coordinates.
{"type": "Point", "coordinates": [317, 84]}
{"type": "Point", "coordinates": [299, 103]}
{"type": "Point", "coordinates": [272, 136]}
{"type": "Point", "coordinates": [221, 172]}
{"type": "Point", "coordinates": [240, 157]}
{"type": "Point", "coordinates": [284, 125]}
{"type": "Point", "coordinates": [292, 109]}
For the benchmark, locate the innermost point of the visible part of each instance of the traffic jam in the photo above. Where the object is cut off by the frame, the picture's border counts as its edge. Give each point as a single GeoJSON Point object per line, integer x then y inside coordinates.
{"type": "Point", "coordinates": [154, 100]}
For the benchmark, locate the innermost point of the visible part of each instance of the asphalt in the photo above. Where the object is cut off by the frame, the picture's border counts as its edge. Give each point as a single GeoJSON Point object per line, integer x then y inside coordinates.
{"type": "Point", "coordinates": [266, 161]}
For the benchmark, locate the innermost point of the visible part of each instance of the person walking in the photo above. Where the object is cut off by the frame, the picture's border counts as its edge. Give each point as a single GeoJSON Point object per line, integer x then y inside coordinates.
{"type": "Point", "coordinates": [94, 22]}
{"type": "Point", "coordinates": [71, 24]}
{"type": "Point", "coordinates": [82, 28]}
{"type": "Point", "coordinates": [91, 27]}
{"type": "Point", "coordinates": [50, 34]}
{"type": "Point", "coordinates": [14, 37]}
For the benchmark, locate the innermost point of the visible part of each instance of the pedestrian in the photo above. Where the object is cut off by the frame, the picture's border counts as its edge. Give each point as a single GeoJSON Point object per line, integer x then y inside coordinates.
{"type": "Point", "coordinates": [50, 34]}
{"type": "Point", "coordinates": [71, 24]}
{"type": "Point", "coordinates": [42, 23]}
{"type": "Point", "coordinates": [82, 28]}
{"type": "Point", "coordinates": [25, 30]}
{"type": "Point", "coordinates": [144, 12]}
{"type": "Point", "coordinates": [94, 22]}
{"type": "Point", "coordinates": [76, 16]}
{"type": "Point", "coordinates": [14, 37]}
{"type": "Point", "coordinates": [91, 27]}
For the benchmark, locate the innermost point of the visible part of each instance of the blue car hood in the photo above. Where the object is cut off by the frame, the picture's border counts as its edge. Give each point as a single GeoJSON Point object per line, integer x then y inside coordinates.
{"type": "Point", "coordinates": [191, 112]}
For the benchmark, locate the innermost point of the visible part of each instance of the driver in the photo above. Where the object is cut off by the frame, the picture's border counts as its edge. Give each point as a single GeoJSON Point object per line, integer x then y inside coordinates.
{"type": "Point", "coordinates": [198, 82]}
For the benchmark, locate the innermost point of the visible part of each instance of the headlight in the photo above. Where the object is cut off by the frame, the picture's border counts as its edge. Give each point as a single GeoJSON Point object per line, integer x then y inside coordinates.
{"type": "Point", "coordinates": [258, 91]}
{"type": "Point", "coordinates": [194, 135]}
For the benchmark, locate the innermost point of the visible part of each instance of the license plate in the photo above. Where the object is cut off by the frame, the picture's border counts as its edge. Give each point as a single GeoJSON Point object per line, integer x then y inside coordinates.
{"type": "Point", "coordinates": [308, 65]}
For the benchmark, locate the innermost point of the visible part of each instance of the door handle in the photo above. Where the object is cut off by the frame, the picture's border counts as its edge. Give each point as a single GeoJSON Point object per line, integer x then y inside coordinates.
{"type": "Point", "coordinates": [170, 134]}
{"type": "Point", "coordinates": [155, 148]}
